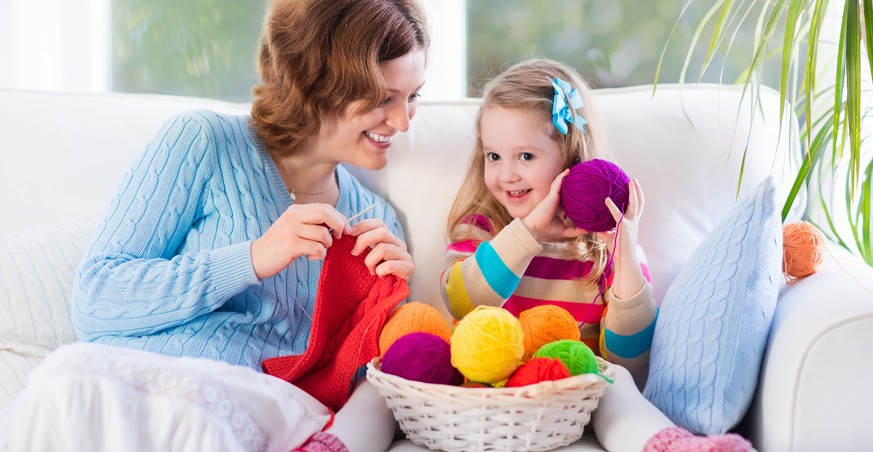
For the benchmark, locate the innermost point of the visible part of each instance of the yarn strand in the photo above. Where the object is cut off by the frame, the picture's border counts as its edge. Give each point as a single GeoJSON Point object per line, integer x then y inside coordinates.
{"type": "Point", "coordinates": [602, 282]}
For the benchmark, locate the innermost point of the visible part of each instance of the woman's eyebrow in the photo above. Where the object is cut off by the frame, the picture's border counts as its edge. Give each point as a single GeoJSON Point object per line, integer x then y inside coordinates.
{"type": "Point", "coordinates": [395, 90]}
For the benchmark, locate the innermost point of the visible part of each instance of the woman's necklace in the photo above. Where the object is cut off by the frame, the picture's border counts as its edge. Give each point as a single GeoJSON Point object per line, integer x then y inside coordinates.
{"type": "Point", "coordinates": [293, 194]}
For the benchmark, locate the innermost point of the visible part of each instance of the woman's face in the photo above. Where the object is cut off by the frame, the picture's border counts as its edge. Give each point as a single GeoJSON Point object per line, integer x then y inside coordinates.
{"type": "Point", "coordinates": [363, 139]}
{"type": "Point", "coordinates": [521, 159]}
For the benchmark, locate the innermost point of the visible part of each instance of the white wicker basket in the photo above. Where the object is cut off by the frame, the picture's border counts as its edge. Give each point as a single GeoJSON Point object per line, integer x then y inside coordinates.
{"type": "Point", "coordinates": [542, 416]}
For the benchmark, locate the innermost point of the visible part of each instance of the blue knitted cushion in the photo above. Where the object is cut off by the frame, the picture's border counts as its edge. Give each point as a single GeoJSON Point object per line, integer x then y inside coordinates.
{"type": "Point", "coordinates": [715, 317]}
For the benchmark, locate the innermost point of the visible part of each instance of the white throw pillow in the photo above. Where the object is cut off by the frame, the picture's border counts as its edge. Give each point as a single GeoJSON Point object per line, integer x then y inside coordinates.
{"type": "Point", "coordinates": [37, 267]}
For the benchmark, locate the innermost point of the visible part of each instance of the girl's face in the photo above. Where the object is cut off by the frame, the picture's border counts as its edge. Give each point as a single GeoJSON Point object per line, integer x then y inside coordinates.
{"type": "Point", "coordinates": [521, 159]}
{"type": "Point", "coordinates": [363, 139]}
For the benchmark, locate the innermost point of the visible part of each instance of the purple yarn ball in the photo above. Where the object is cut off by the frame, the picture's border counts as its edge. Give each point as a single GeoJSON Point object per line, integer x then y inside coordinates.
{"type": "Point", "coordinates": [421, 357]}
{"type": "Point", "coordinates": [585, 188]}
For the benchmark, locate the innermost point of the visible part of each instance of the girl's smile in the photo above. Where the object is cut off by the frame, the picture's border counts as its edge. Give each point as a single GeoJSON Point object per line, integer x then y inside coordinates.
{"type": "Point", "coordinates": [521, 158]}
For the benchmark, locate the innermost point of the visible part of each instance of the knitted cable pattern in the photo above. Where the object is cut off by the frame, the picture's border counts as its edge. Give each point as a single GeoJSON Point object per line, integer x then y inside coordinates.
{"type": "Point", "coordinates": [169, 269]}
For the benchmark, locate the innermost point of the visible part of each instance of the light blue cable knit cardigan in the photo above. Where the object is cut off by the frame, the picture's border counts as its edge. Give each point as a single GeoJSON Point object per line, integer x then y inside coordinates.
{"type": "Point", "coordinates": [169, 269]}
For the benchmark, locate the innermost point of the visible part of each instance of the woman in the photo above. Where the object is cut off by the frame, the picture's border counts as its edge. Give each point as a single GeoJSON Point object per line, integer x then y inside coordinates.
{"type": "Point", "coordinates": [212, 249]}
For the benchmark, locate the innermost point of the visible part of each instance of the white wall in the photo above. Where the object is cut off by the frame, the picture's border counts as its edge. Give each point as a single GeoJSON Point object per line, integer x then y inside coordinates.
{"type": "Point", "coordinates": [54, 45]}
{"type": "Point", "coordinates": [446, 74]}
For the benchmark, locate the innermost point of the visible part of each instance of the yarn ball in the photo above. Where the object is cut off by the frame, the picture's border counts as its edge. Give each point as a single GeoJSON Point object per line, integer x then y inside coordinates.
{"type": "Point", "coordinates": [474, 384]}
{"type": "Point", "coordinates": [537, 370]}
{"type": "Point", "coordinates": [421, 357]}
{"type": "Point", "coordinates": [487, 344]}
{"type": "Point", "coordinates": [803, 247]}
{"type": "Point", "coordinates": [584, 190]}
{"type": "Point", "coordinates": [412, 317]}
{"type": "Point", "coordinates": [546, 323]}
{"type": "Point", "coordinates": [577, 356]}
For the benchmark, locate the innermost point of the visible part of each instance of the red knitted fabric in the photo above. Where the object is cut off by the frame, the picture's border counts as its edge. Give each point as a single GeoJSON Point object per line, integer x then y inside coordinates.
{"type": "Point", "coordinates": [351, 307]}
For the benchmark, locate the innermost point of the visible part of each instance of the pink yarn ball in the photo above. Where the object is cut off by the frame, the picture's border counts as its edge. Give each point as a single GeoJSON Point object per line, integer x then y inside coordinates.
{"type": "Point", "coordinates": [585, 188]}
{"type": "Point", "coordinates": [421, 357]}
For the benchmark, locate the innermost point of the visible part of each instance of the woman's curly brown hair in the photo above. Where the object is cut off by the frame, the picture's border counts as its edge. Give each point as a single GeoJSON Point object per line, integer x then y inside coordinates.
{"type": "Point", "coordinates": [317, 56]}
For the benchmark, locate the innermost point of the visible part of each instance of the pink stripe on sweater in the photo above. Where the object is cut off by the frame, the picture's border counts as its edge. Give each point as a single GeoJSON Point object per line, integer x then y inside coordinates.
{"type": "Point", "coordinates": [550, 268]}
{"type": "Point", "coordinates": [464, 246]}
{"type": "Point", "coordinates": [480, 221]}
{"type": "Point", "coordinates": [582, 312]}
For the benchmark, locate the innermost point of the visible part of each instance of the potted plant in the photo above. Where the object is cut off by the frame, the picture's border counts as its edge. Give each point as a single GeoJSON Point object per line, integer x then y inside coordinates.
{"type": "Point", "coordinates": [825, 70]}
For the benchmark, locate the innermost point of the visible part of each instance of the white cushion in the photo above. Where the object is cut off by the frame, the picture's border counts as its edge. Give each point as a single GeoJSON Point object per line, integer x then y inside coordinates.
{"type": "Point", "coordinates": [37, 267]}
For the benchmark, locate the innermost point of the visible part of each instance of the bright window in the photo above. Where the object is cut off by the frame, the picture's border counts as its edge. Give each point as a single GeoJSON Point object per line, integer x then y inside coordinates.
{"type": "Point", "coordinates": [207, 47]}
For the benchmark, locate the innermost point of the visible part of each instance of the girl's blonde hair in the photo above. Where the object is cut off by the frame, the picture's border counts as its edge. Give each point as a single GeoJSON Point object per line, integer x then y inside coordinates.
{"type": "Point", "coordinates": [527, 86]}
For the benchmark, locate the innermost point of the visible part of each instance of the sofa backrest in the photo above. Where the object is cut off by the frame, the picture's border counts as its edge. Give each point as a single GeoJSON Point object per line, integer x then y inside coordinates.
{"type": "Point", "coordinates": [64, 154]}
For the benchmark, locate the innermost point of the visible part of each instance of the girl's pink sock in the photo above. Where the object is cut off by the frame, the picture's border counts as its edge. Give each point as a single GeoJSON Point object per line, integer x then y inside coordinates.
{"type": "Point", "coordinates": [323, 442]}
{"type": "Point", "coordinates": [676, 439]}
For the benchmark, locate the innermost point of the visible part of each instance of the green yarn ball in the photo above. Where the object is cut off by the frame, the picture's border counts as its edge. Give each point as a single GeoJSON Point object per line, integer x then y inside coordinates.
{"type": "Point", "coordinates": [577, 356]}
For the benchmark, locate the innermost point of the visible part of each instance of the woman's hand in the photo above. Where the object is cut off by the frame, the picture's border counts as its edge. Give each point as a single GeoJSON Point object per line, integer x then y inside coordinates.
{"type": "Point", "coordinates": [388, 255]}
{"type": "Point", "coordinates": [302, 230]}
{"type": "Point", "coordinates": [543, 221]}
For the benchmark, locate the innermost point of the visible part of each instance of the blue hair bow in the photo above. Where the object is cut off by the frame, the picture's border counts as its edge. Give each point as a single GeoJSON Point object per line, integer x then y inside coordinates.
{"type": "Point", "coordinates": [561, 115]}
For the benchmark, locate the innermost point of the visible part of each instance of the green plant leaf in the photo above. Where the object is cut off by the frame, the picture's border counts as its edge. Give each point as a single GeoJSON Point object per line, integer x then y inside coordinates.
{"type": "Point", "coordinates": [853, 78]}
{"type": "Point", "coordinates": [811, 63]}
{"type": "Point", "coordinates": [788, 46]}
{"type": "Point", "coordinates": [664, 51]}
{"type": "Point", "coordinates": [868, 27]}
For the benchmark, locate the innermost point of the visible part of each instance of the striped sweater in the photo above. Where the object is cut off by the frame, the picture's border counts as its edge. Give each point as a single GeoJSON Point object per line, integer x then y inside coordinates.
{"type": "Point", "coordinates": [169, 270]}
{"type": "Point", "coordinates": [512, 270]}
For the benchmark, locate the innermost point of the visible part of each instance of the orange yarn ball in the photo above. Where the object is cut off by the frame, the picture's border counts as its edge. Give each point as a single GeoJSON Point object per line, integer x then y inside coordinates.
{"type": "Point", "coordinates": [802, 250]}
{"type": "Point", "coordinates": [545, 324]}
{"type": "Point", "coordinates": [412, 317]}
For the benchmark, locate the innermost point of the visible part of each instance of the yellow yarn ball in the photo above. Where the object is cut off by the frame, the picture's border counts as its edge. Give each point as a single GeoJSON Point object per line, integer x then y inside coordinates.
{"type": "Point", "coordinates": [413, 317]}
{"type": "Point", "coordinates": [487, 345]}
{"type": "Point", "coordinates": [544, 324]}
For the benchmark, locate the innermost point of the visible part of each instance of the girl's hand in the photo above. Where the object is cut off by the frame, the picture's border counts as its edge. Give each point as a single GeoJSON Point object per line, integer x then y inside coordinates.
{"type": "Point", "coordinates": [388, 255]}
{"type": "Point", "coordinates": [628, 229]}
{"type": "Point", "coordinates": [302, 230]}
{"type": "Point", "coordinates": [543, 221]}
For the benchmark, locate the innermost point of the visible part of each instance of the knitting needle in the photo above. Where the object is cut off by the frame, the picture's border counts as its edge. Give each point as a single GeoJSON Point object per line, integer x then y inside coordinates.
{"type": "Point", "coordinates": [358, 215]}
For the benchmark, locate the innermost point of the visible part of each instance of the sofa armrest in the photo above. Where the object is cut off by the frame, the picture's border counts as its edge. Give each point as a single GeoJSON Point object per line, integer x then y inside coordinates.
{"type": "Point", "coordinates": [814, 392]}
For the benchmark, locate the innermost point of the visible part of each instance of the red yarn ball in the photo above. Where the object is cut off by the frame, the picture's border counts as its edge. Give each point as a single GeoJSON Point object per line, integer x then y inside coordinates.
{"type": "Point", "coordinates": [584, 190]}
{"type": "Point", "coordinates": [537, 370]}
{"type": "Point", "coordinates": [421, 357]}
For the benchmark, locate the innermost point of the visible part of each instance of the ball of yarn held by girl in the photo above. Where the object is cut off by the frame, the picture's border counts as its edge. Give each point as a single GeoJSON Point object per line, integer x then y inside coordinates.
{"type": "Point", "coordinates": [577, 356]}
{"type": "Point", "coordinates": [421, 357]}
{"type": "Point", "coordinates": [803, 247]}
{"type": "Point", "coordinates": [546, 323]}
{"type": "Point", "coordinates": [487, 344]}
{"type": "Point", "coordinates": [412, 317]}
{"type": "Point", "coordinates": [584, 190]}
{"type": "Point", "coordinates": [537, 370]}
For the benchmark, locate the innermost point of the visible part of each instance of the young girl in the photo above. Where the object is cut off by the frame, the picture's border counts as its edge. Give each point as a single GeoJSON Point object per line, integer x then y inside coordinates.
{"type": "Point", "coordinates": [510, 246]}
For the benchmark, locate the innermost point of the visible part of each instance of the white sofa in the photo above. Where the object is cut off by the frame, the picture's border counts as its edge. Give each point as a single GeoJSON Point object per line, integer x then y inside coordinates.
{"type": "Point", "coordinates": [62, 155]}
